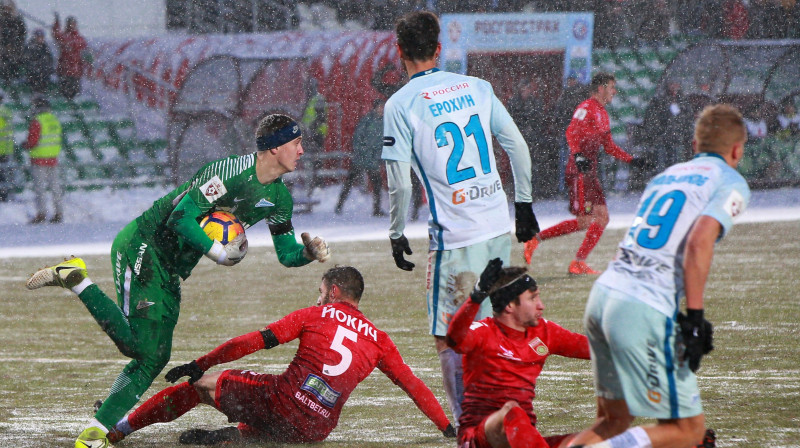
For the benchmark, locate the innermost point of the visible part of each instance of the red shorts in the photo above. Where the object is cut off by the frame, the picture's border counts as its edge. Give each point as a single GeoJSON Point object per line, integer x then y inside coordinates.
{"type": "Point", "coordinates": [592, 193]}
{"type": "Point", "coordinates": [250, 398]}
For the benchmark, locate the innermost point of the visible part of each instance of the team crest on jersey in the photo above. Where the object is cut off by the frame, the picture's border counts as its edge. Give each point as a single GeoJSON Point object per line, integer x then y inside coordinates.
{"type": "Point", "coordinates": [734, 204]}
{"type": "Point", "coordinates": [264, 203]}
{"type": "Point", "coordinates": [538, 346]}
{"type": "Point", "coordinates": [213, 189]}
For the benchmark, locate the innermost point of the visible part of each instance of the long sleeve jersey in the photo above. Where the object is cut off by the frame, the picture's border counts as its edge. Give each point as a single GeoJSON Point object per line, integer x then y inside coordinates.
{"type": "Point", "coordinates": [502, 364]}
{"type": "Point", "coordinates": [587, 132]}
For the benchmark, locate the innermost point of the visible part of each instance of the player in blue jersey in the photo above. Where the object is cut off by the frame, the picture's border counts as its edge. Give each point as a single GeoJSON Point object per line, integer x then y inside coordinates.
{"type": "Point", "coordinates": [644, 351]}
{"type": "Point", "coordinates": [441, 124]}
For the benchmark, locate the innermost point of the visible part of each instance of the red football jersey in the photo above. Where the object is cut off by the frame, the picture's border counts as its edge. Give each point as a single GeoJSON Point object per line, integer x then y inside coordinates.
{"type": "Point", "coordinates": [339, 347]}
{"type": "Point", "coordinates": [502, 364]}
{"type": "Point", "coordinates": [588, 131]}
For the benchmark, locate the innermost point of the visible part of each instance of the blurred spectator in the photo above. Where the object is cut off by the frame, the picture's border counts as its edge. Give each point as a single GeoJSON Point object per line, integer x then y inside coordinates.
{"type": "Point", "coordinates": [6, 149]}
{"type": "Point", "coordinates": [366, 157]}
{"type": "Point", "coordinates": [654, 25]}
{"type": "Point", "coordinates": [737, 19]}
{"type": "Point", "coordinates": [757, 121]}
{"type": "Point", "coordinates": [12, 41]}
{"type": "Point", "coordinates": [44, 144]}
{"type": "Point", "coordinates": [788, 120]}
{"type": "Point", "coordinates": [38, 61]}
{"type": "Point", "coordinates": [766, 17]}
{"type": "Point", "coordinates": [527, 108]}
{"type": "Point", "coordinates": [609, 24]}
{"type": "Point", "coordinates": [669, 123]}
{"type": "Point", "coordinates": [71, 55]}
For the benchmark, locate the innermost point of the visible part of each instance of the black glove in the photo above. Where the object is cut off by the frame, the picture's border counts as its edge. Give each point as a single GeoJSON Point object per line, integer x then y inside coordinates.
{"type": "Point", "coordinates": [697, 336]}
{"type": "Point", "coordinates": [583, 163]}
{"type": "Point", "coordinates": [488, 278]}
{"type": "Point", "coordinates": [192, 370]}
{"type": "Point", "coordinates": [400, 246]}
{"type": "Point", "coordinates": [527, 225]}
{"type": "Point", "coordinates": [642, 164]}
{"type": "Point", "coordinates": [449, 432]}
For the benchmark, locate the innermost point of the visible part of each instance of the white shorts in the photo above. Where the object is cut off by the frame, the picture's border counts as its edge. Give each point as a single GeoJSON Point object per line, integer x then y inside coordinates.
{"type": "Point", "coordinates": [635, 357]}
{"type": "Point", "coordinates": [452, 275]}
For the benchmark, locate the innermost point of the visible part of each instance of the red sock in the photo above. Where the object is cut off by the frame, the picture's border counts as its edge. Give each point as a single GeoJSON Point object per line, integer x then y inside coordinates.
{"type": "Point", "coordinates": [562, 228]}
{"type": "Point", "coordinates": [165, 406]}
{"type": "Point", "coordinates": [519, 431]}
{"type": "Point", "coordinates": [592, 237]}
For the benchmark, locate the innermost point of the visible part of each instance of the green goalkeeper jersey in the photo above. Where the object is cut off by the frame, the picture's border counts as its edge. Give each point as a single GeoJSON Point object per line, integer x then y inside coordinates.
{"type": "Point", "coordinates": [229, 184]}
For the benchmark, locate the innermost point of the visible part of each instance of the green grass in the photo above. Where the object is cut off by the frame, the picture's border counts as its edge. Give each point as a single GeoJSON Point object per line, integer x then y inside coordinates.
{"type": "Point", "coordinates": [55, 362]}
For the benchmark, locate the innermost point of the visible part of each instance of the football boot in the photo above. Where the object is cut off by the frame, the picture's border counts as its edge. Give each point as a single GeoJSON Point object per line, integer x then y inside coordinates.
{"type": "Point", "coordinates": [67, 274]}
{"type": "Point", "coordinates": [581, 268]}
{"type": "Point", "coordinates": [93, 437]}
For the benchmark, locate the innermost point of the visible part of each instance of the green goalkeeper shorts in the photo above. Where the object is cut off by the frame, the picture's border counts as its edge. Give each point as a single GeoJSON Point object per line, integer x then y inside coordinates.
{"type": "Point", "coordinates": [145, 289]}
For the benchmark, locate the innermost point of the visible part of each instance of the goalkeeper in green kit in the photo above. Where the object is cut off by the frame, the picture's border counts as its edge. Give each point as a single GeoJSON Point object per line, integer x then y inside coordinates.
{"type": "Point", "coordinates": [160, 247]}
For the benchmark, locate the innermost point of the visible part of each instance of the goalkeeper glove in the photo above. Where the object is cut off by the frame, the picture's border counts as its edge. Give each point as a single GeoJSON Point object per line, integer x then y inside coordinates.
{"type": "Point", "coordinates": [488, 278]}
{"type": "Point", "coordinates": [697, 336]}
{"type": "Point", "coordinates": [583, 163]}
{"type": "Point", "coordinates": [231, 253]}
{"type": "Point", "coordinates": [449, 432]}
{"type": "Point", "coordinates": [526, 223]}
{"type": "Point", "coordinates": [399, 247]}
{"type": "Point", "coordinates": [192, 370]}
{"type": "Point", "coordinates": [316, 249]}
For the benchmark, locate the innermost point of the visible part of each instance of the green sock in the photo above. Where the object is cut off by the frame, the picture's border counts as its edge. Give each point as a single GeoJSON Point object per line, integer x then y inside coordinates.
{"type": "Point", "coordinates": [126, 391]}
{"type": "Point", "coordinates": [110, 318]}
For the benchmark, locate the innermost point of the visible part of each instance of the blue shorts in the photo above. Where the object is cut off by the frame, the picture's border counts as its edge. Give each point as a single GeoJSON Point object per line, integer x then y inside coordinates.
{"type": "Point", "coordinates": [452, 275]}
{"type": "Point", "coordinates": [635, 357]}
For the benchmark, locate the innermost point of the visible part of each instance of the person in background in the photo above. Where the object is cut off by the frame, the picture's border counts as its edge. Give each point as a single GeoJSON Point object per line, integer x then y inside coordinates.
{"type": "Point", "coordinates": [44, 145]}
{"type": "Point", "coordinates": [588, 131]}
{"type": "Point", "coordinates": [6, 149]}
{"type": "Point", "coordinates": [12, 41]}
{"type": "Point", "coordinates": [366, 157]}
{"type": "Point", "coordinates": [788, 120]}
{"type": "Point", "coordinates": [38, 61]}
{"type": "Point", "coordinates": [71, 54]}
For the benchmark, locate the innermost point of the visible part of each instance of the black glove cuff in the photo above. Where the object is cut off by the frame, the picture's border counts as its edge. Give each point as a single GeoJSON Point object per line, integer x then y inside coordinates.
{"type": "Point", "coordinates": [478, 296]}
{"type": "Point", "coordinates": [695, 317]}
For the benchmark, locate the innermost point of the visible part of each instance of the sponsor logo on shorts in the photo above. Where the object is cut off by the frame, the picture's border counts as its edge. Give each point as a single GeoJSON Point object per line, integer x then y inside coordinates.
{"type": "Point", "coordinates": [461, 196]}
{"type": "Point", "coordinates": [213, 189]}
{"type": "Point", "coordinates": [538, 346]}
{"type": "Point", "coordinates": [653, 383]}
{"type": "Point", "coordinates": [320, 389]}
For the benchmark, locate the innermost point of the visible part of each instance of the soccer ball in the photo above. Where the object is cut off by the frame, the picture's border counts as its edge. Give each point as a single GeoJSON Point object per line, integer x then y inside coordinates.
{"type": "Point", "coordinates": [221, 226]}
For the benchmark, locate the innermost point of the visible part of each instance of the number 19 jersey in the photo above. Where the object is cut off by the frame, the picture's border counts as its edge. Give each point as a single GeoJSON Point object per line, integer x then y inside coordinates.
{"type": "Point", "coordinates": [649, 260]}
{"type": "Point", "coordinates": [442, 123]}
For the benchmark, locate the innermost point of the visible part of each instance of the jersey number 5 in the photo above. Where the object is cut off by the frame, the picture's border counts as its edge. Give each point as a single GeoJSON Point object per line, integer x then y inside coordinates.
{"type": "Point", "coordinates": [474, 129]}
{"type": "Point", "coordinates": [347, 355]}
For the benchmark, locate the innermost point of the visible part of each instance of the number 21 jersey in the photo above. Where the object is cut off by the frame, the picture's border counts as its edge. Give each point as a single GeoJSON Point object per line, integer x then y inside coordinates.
{"type": "Point", "coordinates": [442, 123]}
